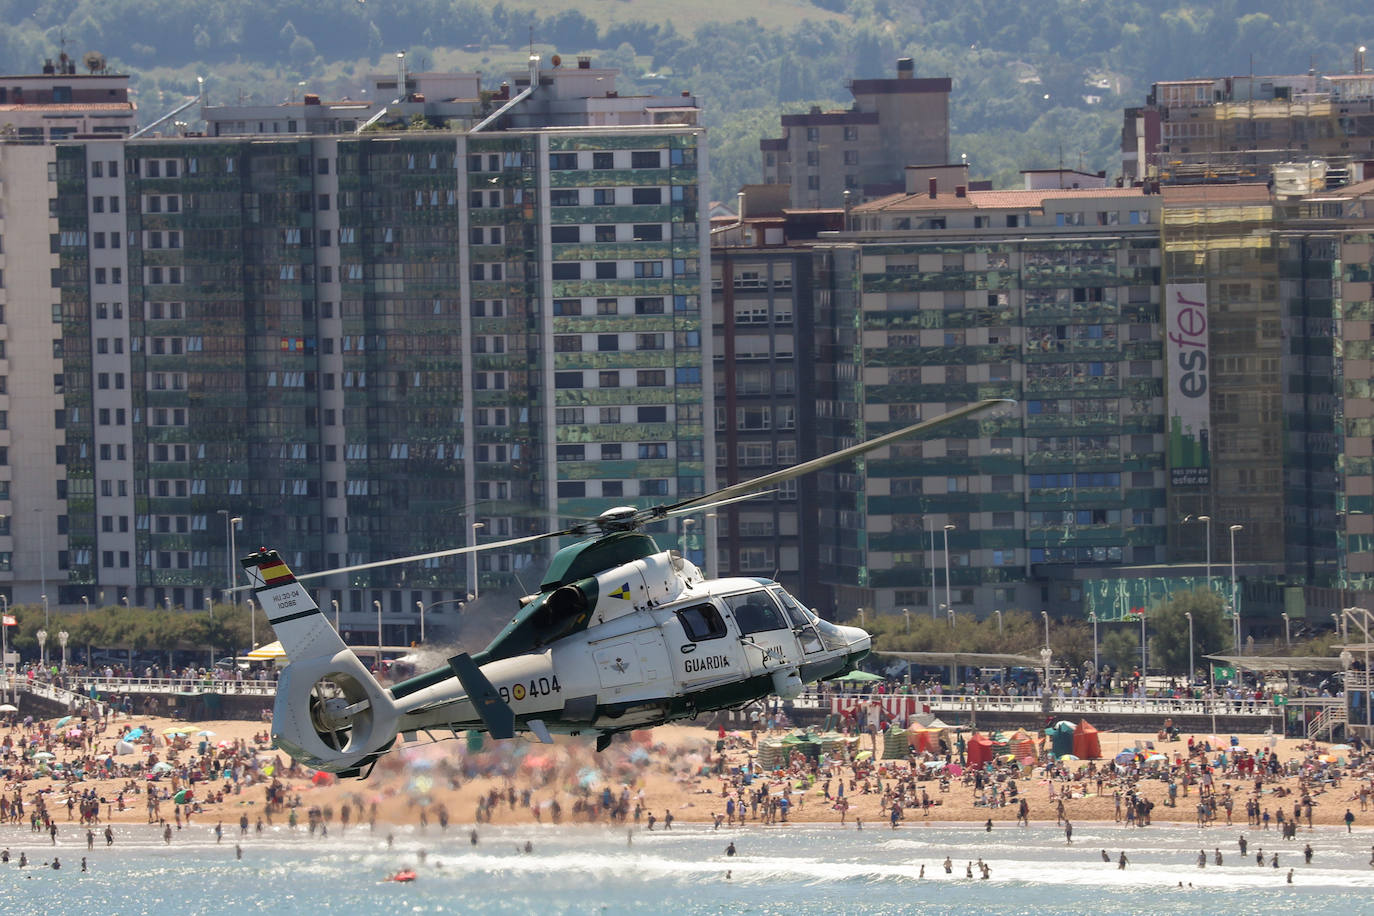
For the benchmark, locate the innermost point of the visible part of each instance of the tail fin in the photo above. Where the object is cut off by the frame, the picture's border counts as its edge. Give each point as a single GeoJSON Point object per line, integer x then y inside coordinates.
{"type": "Point", "coordinates": [303, 630]}
{"type": "Point", "coordinates": [330, 712]}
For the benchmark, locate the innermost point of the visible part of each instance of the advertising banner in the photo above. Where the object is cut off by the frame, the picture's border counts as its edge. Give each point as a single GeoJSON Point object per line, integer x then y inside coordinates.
{"type": "Point", "coordinates": [1188, 373]}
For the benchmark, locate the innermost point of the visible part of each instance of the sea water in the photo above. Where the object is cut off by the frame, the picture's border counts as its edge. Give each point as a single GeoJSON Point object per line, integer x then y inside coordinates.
{"type": "Point", "coordinates": [792, 869]}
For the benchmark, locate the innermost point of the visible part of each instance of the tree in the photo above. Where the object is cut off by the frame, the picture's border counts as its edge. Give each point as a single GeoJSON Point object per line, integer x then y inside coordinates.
{"type": "Point", "coordinates": [1169, 625]}
{"type": "Point", "coordinates": [1121, 648]}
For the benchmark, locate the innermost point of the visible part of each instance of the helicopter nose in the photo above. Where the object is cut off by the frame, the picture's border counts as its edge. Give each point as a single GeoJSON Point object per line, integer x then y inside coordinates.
{"type": "Point", "coordinates": [859, 642]}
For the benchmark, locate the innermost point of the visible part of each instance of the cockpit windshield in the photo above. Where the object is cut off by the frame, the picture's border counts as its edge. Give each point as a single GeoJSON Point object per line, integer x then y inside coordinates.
{"type": "Point", "coordinates": [755, 612]}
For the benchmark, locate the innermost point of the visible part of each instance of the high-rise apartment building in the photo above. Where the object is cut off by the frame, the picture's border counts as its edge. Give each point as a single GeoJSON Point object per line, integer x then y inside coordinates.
{"type": "Point", "coordinates": [37, 110]}
{"type": "Point", "coordinates": [377, 344]}
{"type": "Point", "coordinates": [1236, 128]}
{"type": "Point", "coordinates": [1047, 296]}
{"type": "Point", "coordinates": [861, 151]}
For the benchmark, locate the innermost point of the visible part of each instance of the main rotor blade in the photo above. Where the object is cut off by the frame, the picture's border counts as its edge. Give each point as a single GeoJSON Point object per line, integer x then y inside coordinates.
{"type": "Point", "coordinates": [693, 510]}
{"type": "Point", "coordinates": [436, 554]}
{"type": "Point", "coordinates": [825, 461]}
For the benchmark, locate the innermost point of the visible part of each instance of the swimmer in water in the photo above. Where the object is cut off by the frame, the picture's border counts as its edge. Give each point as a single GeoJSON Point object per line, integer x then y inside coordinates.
{"type": "Point", "coordinates": [949, 866]}
{"type": "Point", "coordinates": [529, 847]}
{"type": "Point", "coordinates": [1105, 857]}
{"type": "Point", "coordinates": [1290, 876]}
{"type": "Point", "coordinates": [730, 850]}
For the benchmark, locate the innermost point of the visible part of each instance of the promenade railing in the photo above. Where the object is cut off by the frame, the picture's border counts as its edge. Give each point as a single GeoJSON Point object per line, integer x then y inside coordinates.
{"type": "Point", "coordinates": [1060, 706]}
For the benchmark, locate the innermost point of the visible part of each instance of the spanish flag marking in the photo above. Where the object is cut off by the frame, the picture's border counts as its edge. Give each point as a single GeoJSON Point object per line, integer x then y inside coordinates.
{"type": "Point", "coordinates": [276, 573]}
{"type": "Point", "coordinates": [623, 593]}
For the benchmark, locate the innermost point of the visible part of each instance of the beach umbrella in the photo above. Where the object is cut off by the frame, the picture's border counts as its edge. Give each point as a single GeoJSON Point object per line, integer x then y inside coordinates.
{"type": "Point", "coordinates": [134, 734]}
{"type": "Point", "coordinates": [1125, 756]}
{"type": "Point", "coordinates": [863, 755]}
{"type": "Point", "coordinates": [183, 797]}
{"type": "Point", "coordinates": [1067, 757]}
{"type": "Point", "coordinates": [1155, 758]}
{"type": "Point", "coordinates": [162, 766]}
{"type": "Point", "coordinates": [62, 721]}
{"type": "Point", "coordinates": [1334, 747]}
{"type": "Point", "coordinates": [1324, 758]}
{"type": "Point", "coordinates": [859, 677]}
{"type": "Point", "coordinates": [321, 778]}
{"type": "Point", "coordinates": [206, 734]}
{"type": "Point", "coordinates": [123, 747]}
{"type": "Point", "coordinates": [933, 764]}
{"type": "Point", "coordinates": [43, 755]}
{"type": "Point", "coordinates": [176, 730]}
{"type": "Point", "coordinates": [8, 707]}
{"type": "Point", "coordinates": [268, 653]}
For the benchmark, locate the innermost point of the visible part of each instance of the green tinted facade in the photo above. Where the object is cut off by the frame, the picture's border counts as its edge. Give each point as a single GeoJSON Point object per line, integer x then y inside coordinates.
{"type": "Point", "coordinates": [350, 344]}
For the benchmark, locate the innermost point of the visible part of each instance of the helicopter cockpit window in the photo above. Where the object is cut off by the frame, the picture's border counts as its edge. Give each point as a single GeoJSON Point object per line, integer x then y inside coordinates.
{"type": "Point", "coordinates": [701, 621]}
{"type": "Point", "coordinates": [755, 612]}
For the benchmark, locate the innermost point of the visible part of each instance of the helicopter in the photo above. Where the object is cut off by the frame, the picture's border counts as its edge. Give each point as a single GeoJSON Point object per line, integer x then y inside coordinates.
{"type": "Point", "coordinates": [621, 635]}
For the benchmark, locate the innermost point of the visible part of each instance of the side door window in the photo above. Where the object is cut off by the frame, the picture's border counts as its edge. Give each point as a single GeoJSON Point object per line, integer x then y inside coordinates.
{"type": "Point", "coordinates": [701, 622]}
{"type": "Point", "coordinates": [699, 653]}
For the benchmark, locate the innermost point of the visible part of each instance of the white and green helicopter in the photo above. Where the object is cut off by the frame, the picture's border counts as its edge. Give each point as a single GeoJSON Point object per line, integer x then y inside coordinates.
{"type": "Point", "coordinates": [620, 635]}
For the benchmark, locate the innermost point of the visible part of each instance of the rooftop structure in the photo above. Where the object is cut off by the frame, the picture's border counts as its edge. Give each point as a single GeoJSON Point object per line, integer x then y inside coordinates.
{"type": "Point", "coordinates": [61, 104]}
{"type": "Point", "coordinates": [861, 151]}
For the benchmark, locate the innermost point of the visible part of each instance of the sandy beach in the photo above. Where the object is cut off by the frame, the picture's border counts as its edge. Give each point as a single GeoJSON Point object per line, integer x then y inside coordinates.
{"type": "Point", "coordinates": [668, 769]}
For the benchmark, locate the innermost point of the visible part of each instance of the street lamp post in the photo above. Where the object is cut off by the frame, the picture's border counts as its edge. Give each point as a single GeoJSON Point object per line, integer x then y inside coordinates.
{"type": "Point", "coordinates": [687, 523]}
{"type": "Point", "coordinates": [378, 606]}
{"type": "Point", "coordinates": [1189, 615]}
{"type": "Point", "coordinates": [473, 543]}
{"type": "Point", "coordinates": [252, 623]}
{"type": "Point", "coordinates": [931, 532]}
{"type": "Point", "coordinates": [1287, 632]}
{"type": "Point", "coordinates": [1143, 662]}
{"type": "Point", "coordinates": [906, 612]}
{"type": "Point", "coordinates": [948, 602]}
{"type": "Point", "coordinates": [42, 552]}
{"type": "Point", "coordinates": [998, 615]}
{"type": "Point", "coordinates": [87, 603]}
{"type": "Point", "coordinates": [42, 636]}
{"type": "Point", "coordinates": [231, 523]}
{"type": "Point", "coordinates": [1045, 656]}
{"type": "Point", "coordinates": [335, 602]}
{"type": "Point", "coordinates": [1208, 520]}
{"type": "Point", "coordinates": [421, 606]}
{"type": "Point", "coordinates": [1045, 616]}
{"type": "Point", "coordinates": [949, 614]}
{"type": "Point", "coordinates": [62, 637]}
{"type": "Point", "coordinates": [45, 610]}
{"type": "Point", "coordinates": [1235, 606]}
{"type": "Point", "coordinates": [1096, 667]}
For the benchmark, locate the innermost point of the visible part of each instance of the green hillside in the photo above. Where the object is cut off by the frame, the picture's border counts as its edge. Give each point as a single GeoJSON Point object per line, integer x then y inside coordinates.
{"type": "Point", "coordinates": [1034, 84]}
